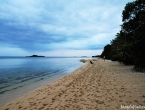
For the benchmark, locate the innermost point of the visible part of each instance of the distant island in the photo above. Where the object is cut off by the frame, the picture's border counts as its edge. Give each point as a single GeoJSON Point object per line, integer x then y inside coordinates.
{"type": "Point", "coordinates": [97, 56]}
{"type": "Point", "coordinates": [84, 56]}
{"type": "Point", "coordinates": [35, 56]}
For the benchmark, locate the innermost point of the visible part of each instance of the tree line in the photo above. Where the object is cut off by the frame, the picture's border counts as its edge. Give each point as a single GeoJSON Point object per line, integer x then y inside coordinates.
{"type": "Point", "coordinates": [129, 45]}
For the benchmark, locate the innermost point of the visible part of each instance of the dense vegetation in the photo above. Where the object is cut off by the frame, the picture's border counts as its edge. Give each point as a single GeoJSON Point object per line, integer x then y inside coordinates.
{"type": "Point", "coordinates": [129, 45]}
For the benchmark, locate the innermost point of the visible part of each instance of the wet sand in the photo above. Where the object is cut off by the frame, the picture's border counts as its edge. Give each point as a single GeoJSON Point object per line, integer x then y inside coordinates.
{"type": "Point", "coordinates": [103, 85]}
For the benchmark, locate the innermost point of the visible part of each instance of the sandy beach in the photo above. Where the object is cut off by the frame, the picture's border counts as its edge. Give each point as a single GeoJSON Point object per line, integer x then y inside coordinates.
{"type": "Point", "coordinates": [103, 85]}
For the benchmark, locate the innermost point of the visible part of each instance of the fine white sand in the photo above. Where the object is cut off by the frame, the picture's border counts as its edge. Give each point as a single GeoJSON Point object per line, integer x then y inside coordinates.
{"type": "Point", "coordinates": [103, 85]}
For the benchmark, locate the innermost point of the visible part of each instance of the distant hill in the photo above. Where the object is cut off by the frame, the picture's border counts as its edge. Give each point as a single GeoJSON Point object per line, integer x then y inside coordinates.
{"type": "Point", "coordinates": [35, 56]}
{"type": "Point", "coordinates": [97, 56]}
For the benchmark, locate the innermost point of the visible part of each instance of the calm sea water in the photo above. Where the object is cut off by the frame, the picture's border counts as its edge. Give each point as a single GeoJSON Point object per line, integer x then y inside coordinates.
{"type": "Point", "coordinates": [20, 75]}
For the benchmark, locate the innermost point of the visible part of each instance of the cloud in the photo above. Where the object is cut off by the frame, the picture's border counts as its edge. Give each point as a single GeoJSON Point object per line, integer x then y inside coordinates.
{"type": "Point", "coordinates": [11, 50]}
{"type": "Point", "coordinates": [66, 52]}
{"type": "Point", "coordinates": [36, 25]}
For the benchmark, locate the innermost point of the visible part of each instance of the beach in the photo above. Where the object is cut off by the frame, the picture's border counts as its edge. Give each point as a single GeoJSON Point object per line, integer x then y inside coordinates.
{"type": "Point", "coordinates": [102, 85]}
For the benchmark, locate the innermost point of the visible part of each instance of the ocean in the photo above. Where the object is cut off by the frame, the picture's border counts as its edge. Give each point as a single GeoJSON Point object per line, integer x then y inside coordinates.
{"type": "Point", "coordinates": [20, 75]}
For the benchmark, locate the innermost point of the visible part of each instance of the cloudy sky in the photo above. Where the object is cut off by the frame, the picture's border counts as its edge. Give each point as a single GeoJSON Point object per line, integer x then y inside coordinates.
{"type": "Point", "coordinates": [58, 27]}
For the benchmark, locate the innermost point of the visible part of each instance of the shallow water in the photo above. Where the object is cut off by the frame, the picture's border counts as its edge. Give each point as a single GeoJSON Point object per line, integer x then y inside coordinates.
{"type": "Point", "coordinates": [20, 75]}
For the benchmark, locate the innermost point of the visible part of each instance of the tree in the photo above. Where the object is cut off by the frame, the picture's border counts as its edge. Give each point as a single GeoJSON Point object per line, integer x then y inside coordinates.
{"type": "Point", "coordinates": [106, 52]}
{"type": "Point", "coordinates": [120, 50]}
{"type": "Point", "coordinates": [133, 33]}
{"type": "Point", "coordinates": [128, 46]}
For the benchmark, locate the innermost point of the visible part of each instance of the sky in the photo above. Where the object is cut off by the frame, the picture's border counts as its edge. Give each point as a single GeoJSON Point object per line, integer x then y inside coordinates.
{"type": "Point", "coordinates": [58, 27]}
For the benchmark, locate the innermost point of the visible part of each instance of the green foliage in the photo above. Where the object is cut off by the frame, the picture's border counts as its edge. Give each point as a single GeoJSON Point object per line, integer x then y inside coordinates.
{"type": "Point", "coordinates": [133, 32]}
{"type": "Point", "coordinates": [128, 46]}
{"type": "Point", "coordinates": [107, 52]}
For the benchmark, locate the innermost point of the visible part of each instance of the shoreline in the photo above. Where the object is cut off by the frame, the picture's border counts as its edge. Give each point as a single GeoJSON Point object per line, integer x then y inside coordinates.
{"type": "Point", "coordinates": [28, 77]}
{"type": "Point", "coordinates": [13, 95]}
{"type": "Point", "coordinates": [101, 85]}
